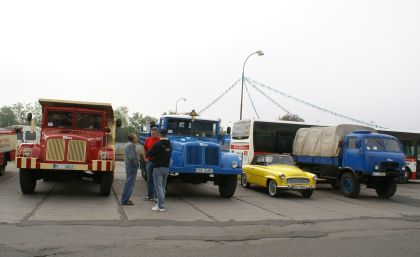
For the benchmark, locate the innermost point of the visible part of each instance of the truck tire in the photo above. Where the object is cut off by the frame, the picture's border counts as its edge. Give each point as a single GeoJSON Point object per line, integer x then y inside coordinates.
{"type": "Point", "coordinates": [307, 193]}
{"type": "Point", "coordinates": [106, 183]}
{"type": "Point", "coordinates": [349, 185]}
{"type": "Point", "coordinates": [386, 189]}
{"type": "Point", "coordinates": [27, 181]}
{"type": "Point", "coordinates": [272, 188]}
{"type": "Point", "coordinates": [2, 169]}
{"type": "Point", "coordinates": [244, 181]}
{"type": "Point", "coordinates": [227, 186]}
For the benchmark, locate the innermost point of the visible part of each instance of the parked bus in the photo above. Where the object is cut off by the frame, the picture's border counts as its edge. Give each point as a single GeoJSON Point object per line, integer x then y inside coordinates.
{"type": "Point", "coordinates": [410, 141]}
{"type": "Point", "coordinates": [251, 137]}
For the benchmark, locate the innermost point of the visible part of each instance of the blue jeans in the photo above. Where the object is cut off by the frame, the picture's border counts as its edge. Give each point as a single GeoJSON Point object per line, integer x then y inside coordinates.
{"type": "Point", "coordinates": [150, 184]}
{"type": "Point", "coordinates": [129, 183]}
{"type": "Point", "coordinates": [160, 175]}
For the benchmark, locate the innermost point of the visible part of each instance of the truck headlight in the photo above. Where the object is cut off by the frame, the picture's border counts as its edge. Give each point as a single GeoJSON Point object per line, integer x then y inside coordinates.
{"type": "Point", "coordinates": [103, 155]}
{"type": "Point", "coordinates": [27, 152]}
{"type": "Point", "coordinates": [376, 167]}
{"type": "Point", "coordinates": [282, 176]}
{"type": "Point", "coordinates": [235, 164]}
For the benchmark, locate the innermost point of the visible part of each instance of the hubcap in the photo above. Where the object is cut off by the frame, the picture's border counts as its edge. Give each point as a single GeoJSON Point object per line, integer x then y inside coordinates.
{"type": "Point", "coordinates": [272, 187]}
{"type": "Point", "coordinates": [244, 180]}
{"type": "Point", "coordinates": [347, 185]}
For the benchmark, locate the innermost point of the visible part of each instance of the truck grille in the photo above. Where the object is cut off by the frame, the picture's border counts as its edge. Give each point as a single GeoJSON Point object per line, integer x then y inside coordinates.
{"type": "Point", "coordinates": [390, 166]}
{"type": "Point", "coordinates": [211, 156]}
{"type": "Point", "coordinates": [55, 150]}
{"type": "Point", "coordinates": [194, 154]}
{"type": "Point", "coordinates": [76, 151]}
{"type": "Point", "coordinates": [293, 181]}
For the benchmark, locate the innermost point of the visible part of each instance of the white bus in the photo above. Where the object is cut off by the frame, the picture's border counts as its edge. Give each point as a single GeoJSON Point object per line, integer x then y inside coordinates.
{"type": "Point", "coordinates": [251, 137]}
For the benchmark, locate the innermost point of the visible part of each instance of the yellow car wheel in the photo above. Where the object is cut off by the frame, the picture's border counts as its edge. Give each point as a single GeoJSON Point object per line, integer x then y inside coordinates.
{"type": "Point", "coordinates": [307, 193]}
{"type": "Point", "coordinates": [244, 180]}
{"type": "Point", "coordinates": [273, 190]}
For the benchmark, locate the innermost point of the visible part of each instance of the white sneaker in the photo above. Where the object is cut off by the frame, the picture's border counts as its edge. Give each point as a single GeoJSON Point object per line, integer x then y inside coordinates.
{"type": "Point", "coordinates": [162, 210]}
{"type": "Point", "coordinates": [155, 208]}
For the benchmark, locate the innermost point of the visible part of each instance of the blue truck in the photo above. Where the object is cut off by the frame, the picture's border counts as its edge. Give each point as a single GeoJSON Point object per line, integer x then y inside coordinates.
{"type": "Point", "coordinates": [196, 153]}
{"type": "Point", "coordinates": [349, 155]}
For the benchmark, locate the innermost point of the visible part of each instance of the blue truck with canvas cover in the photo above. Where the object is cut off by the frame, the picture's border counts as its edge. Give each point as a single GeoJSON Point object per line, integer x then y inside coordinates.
{"type": "Point", "coordinates": [350, 155]}
{"type": "Point", "coordinates": [196, 153]}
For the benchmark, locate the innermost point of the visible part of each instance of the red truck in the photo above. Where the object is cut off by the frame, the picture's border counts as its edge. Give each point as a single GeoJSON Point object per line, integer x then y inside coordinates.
{"type": "Point", "coordinates": [8, 141]}
{"type": "Point", "coordinates": [77, 140]}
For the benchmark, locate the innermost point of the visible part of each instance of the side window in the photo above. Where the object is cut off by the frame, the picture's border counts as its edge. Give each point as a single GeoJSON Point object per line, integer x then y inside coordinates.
{"type": "Point", "coordinates": [353, 144]}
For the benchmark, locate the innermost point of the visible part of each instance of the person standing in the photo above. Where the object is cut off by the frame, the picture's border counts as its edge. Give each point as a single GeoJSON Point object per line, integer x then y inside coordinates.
{"type": "Point", "coordinates": [161, 154]}
{"type": "Point", "coordinates": [131, 159]}
{"type": "Point", "coordinates": [148, 144]}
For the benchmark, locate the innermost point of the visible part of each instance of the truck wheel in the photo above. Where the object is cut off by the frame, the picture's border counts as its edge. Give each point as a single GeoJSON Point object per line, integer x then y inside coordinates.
{"type": "Point", "coordinates": [244, 180]}
{"type": "Point", "coordinates": [349, 185]}
{"type": "Point", "coordinates": [386, 189]}
{"type": "Point", "coordinates": [2, 169]}
{"type": "Point", "coordinates": [227, 186]}
{"type": "Point", "coordinates": [27, 181]}
{"type": "Point", "coordinates": [307, 193]}
{"type": "Point", "coordinates": [106, 183]}
{"type": "Point", "coordinates": [272, 188]}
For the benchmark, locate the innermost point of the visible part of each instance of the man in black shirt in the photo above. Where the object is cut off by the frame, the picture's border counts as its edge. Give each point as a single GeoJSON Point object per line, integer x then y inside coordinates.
{"type": "Point", "coordinates": [161, 158]}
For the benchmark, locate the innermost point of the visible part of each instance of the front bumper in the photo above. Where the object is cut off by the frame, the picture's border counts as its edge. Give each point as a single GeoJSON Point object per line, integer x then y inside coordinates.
{"type": "Point", "coordinates": [206, 170]}
{"type": "Point", "coordinates": [35, 164]}
{"type": "Point", "coordinates": [296, 187]}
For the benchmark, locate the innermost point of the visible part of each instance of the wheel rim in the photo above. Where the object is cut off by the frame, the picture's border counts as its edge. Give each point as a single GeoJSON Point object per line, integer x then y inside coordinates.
{"type": "Point", "coordinates": [244, 180]}
{"type": "Point", "coordinates": [272, 187]}
{"type": "Point", "coordinates": [347, 185]}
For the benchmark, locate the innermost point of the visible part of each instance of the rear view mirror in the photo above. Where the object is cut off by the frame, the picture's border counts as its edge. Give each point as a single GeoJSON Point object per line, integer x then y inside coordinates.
{"type": "Point", "coordinates": [118, 123]}
{"type": "Point", "coordinates": [29, 117]}
{"type": "Point", "coordinates": [228, 130]}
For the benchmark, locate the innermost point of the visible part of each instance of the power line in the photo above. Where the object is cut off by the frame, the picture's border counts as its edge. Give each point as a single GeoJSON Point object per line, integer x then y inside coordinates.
{"type": "Point", "coordinates": [219, 97]}
{"type": "Point", "coordinates": [312, 105]}
{"type": "Point", "coordinates": [252, 102]}
{"type": "Point", "coordinates": [269, 98]}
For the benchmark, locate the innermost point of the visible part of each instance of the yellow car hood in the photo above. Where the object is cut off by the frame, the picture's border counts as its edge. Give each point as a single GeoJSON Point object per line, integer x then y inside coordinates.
{"type": "Point", "coordinates": [288, 170]}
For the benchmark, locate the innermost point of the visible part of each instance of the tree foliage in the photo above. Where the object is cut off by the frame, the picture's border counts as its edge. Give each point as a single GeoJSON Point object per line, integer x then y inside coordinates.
{"type": "Point", "coordinates": [292, 117]}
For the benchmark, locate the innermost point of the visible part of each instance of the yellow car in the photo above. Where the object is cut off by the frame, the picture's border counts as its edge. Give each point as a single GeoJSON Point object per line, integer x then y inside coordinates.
{"type": "Point", "coordinates": [277, 173]}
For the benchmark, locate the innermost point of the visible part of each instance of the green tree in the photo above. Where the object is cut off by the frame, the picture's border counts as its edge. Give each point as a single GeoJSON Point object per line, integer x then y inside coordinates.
{"type": "Point", "coordinates": [292, 117]}
{"type": "Point", "coordinates": [7, 116]}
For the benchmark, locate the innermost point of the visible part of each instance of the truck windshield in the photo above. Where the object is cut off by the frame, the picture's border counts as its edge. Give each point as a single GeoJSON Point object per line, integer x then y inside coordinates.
{"type": "Point", "coordinates": [59, 119]}
{"type": "Point", "coordinates": [91, 121]}
{"type": "Point", "coordinates": [382, 144]}
{"type": "Point", "coordinates": [202, 128]}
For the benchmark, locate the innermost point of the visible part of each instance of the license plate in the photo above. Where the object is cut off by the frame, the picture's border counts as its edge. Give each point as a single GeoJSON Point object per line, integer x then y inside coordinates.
{"type": "Point", "coordinates": [203, 170]}
{"type": "Point", "coordinates": [379, 174]}
{"type": "Point", "coordinates": [63, 166]}
{"type": "Point", "coordinates": [299, 187]}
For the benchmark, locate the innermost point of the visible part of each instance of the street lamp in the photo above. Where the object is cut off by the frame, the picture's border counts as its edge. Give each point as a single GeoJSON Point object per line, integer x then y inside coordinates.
{"type": "Point", "coordinates": [260, 53]}
{"type": "Point", "coordinates": [176, 105]}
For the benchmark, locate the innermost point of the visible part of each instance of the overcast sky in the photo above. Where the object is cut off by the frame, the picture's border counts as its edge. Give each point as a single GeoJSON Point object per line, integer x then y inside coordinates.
{"type": "Point", "coordinates": [358, 58]}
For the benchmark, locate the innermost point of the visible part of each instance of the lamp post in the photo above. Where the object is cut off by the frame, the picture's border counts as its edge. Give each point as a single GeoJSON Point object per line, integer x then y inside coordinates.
{"type": "Point", "coordinates": [260, 53]}
{"type": "Point", "coordinates": [176, 105]}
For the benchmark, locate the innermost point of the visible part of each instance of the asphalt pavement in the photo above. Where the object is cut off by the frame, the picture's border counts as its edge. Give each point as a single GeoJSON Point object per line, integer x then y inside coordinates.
{"type": "Point", "coordinates": [71, 219]}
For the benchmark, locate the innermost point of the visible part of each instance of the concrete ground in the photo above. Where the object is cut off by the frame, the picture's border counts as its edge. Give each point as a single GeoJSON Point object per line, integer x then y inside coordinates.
{"type": "Point", "coordinates": [71, 219]}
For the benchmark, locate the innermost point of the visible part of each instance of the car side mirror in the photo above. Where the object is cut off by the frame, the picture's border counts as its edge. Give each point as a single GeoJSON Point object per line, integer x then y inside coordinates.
{"type": "Point", "coordinates": [118, 123]}
{"type": "Point", "coordinates": [228, 130]}
{"type": "Point", "coordinates": [29, 117]}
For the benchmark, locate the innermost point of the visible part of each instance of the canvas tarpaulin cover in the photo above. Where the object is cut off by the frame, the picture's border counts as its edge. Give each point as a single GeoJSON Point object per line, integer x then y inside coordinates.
{"type": "Point", "coordinates": [322, 141]}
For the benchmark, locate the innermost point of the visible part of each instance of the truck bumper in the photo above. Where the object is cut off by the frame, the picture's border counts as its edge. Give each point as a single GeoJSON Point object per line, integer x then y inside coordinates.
{"type": "Point", "coordinates": [205, 170]}
{"type": "Point", "coordinates": [35, 164]}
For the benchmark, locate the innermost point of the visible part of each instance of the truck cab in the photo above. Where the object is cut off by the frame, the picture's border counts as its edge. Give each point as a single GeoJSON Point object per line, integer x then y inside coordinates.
{"type": "Point", "coordinates": [196, 153]}
{"type": "Point", "coordinates": [77, 140]}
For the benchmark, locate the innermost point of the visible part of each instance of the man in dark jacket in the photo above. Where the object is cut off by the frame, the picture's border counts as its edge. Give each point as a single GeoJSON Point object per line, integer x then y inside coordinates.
{"type": "Point", "coordinates": [161, 158]}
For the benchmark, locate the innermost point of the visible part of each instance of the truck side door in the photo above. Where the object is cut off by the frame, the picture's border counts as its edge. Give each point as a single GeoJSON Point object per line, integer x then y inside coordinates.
{"type": "Point", "coordinates": [353, 154]}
